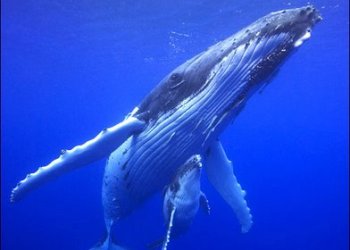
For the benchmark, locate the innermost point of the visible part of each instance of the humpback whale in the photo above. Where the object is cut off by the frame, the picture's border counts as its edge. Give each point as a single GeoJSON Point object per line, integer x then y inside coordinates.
{"type": "Point", "coordinates": [182, 199]}
{"type": "Point", "coordinates": [183, 116]}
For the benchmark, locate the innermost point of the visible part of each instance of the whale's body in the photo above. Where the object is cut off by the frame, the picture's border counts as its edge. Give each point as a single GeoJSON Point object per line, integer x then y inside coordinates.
{"type": "Point", "coordinates": [147, 162]}
{"type": "Point", "coordinates": [184, 116]}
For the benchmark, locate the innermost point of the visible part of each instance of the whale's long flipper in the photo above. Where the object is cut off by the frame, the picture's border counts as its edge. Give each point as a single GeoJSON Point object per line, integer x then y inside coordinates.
{"type": "Point", "coordinates": [204, 203]}
{"type": "Point", "coordinates": [163, 243]}
{"type": "Point", "coordinates": [170, 226]}
{"type": "Point", "coordinates": [102, 145]}
{"type": "Point", "coordinates": [220, 173]}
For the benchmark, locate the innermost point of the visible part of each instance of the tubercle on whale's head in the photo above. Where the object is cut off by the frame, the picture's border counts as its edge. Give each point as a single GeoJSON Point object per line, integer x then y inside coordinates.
{"type": "Point", "coordinates": [295, 22]}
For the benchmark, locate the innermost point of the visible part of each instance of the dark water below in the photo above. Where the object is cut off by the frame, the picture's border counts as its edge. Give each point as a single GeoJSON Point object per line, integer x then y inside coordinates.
{"type": "Point", "coordinates": [71, 68]}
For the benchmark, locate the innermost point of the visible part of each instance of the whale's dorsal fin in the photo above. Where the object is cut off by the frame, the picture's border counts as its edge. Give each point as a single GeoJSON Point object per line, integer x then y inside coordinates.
{"type": "Point", "coordinates": [220, 174]}
{"type": "Point", "coordinates": [203, 201]}
{"type": "Point", "coordinates": [101, 146]}
{"type": "Point", "coordinates": [170, 226]}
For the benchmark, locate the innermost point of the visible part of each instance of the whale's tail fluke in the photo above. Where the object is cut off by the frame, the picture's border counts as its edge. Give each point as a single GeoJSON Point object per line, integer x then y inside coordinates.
{"type": "Point", "coordinates": [95, 149]}
{"type": "Point", "coordinates": [107, 244]}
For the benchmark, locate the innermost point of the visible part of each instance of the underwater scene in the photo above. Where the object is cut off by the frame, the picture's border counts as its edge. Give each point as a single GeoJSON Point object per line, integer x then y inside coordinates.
{"type": "Point", "coordinates": [183, 124]}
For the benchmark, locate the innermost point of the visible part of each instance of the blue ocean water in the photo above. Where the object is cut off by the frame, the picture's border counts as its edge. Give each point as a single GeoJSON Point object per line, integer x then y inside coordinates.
{"type": "Point", "coordinates": [71, 68]}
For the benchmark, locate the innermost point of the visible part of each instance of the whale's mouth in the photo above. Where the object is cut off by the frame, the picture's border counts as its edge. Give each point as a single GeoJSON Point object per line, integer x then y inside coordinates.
{"type": "Point", "coordinates": [303, 38]}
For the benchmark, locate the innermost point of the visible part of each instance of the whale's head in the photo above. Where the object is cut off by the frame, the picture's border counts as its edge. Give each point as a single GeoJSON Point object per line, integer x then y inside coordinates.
{"type": "Point", "coordinates": [190, 172]}
{"type": "Point", "coordinates": [236, 66]}
{"type": "Point", "coordinates": [274, 37]}
{"type": "Point", "coordinates": [295, 23]}
{"type": "Point", "coordinates": [187, 180]}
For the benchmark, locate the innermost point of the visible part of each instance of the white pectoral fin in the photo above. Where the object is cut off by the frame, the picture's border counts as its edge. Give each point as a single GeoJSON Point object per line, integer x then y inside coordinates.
{"type": "Point", "coordinates": [204, 203]}
{"type": "Point", "coordinates": [101, 146]}
{"type": "Point", "coordinates": [170, 226]}
{"type": "Point", "coordinates": [220, 174]}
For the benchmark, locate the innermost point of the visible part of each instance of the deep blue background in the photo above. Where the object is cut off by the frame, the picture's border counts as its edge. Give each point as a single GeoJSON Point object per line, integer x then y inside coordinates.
{"type": "Point", "coordinates": [71, 68]}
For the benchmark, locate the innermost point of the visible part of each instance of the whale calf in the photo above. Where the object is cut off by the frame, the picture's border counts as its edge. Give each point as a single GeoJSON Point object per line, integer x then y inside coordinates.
{"type": "Point", "coordinates": [182, 199]}
{"type": "Point", "coordinates": [184, 115]}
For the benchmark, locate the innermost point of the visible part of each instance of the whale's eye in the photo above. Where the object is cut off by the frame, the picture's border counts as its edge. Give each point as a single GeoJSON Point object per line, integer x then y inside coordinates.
{"type": "Point", "coordinates": [174, 187]}
{"type": "Point", "coordinates": [175, 77]}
